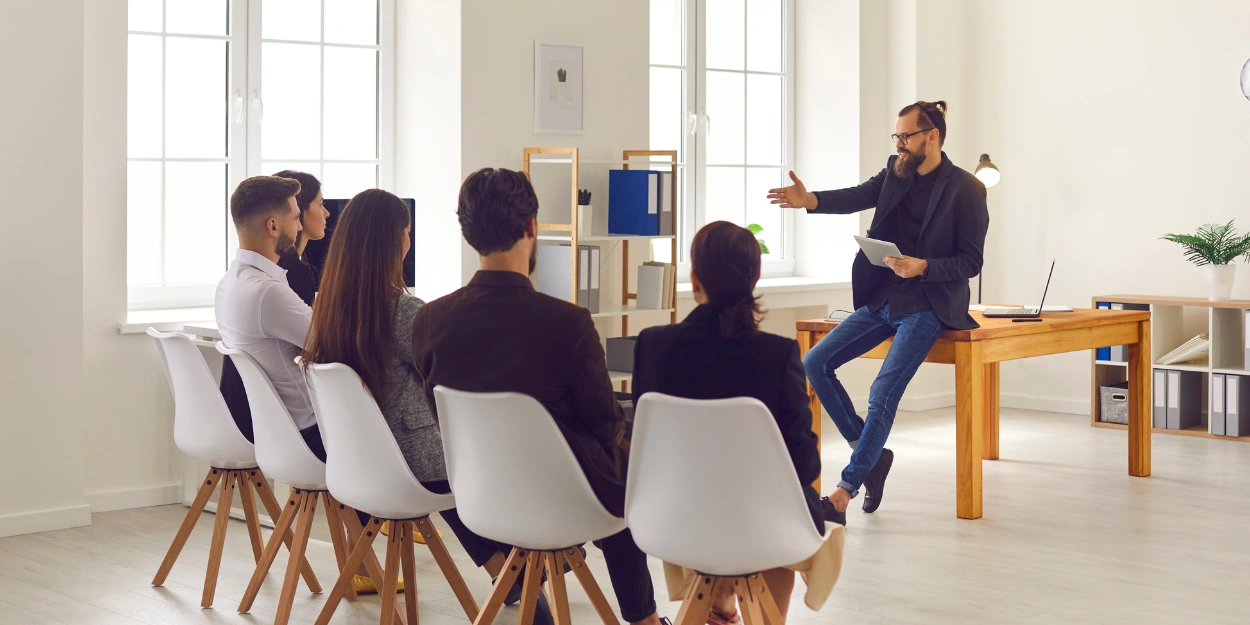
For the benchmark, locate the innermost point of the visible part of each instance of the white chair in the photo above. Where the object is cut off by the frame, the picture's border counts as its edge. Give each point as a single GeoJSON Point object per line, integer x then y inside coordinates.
{"type": "Point", "coordinates": [675, 499]}
{"type": "Point", "coordinates": [204, 430]}
{"type": "Point", "coordinates": [517, 482]}
{"type": "Point", "coordinates": [284, 456]}
{"type": "Point", "coordinates": [366, 470]}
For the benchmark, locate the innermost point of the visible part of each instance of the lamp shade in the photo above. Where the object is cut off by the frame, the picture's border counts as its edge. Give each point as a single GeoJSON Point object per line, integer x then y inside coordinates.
{"type": "Point", "coordinates": [986, 172]}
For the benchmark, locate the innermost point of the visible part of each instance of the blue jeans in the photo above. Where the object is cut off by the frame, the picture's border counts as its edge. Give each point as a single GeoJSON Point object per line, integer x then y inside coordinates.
{"type": "Point", "coordinates": [914, 335]}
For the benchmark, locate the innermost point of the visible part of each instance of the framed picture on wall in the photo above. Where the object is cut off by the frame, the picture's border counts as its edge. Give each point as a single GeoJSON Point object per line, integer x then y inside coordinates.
{"type": "Point", "coordinates": [559, 87]}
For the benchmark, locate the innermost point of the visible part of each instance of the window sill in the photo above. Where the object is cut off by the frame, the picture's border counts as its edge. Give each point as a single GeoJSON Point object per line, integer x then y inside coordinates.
{"type": "Point", "coordinates": [164, 319]}
{"type": "Point", "coordinates": [773, 286]}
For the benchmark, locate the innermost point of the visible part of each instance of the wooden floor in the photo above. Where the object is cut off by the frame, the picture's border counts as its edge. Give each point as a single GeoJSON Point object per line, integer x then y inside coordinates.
{"type": "Point", "coordinates": [1067, 537]}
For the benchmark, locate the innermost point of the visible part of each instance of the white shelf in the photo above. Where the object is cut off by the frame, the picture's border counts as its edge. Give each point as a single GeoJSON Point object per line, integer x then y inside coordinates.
{"type": "Point", "coordinates": [620, 376]}
{"type": "Point", "coordinates": [1231, 371]}
{"type": "Point", "coordinates": [630, 309]}
{"type": "Point", "coordinates": [1180, 367]}
{"type": "Point", "coordinates": [637, 161]}
{"type": "Point", "coordinates": [1112, 363]}
{"type": "Point", "coordinates": [611, 238]}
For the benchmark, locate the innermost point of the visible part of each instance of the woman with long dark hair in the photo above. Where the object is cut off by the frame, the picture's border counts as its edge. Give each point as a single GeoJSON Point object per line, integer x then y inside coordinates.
{"type": "Point", "coordinates": [363, 318]}
{"type": "Point", "coordinates": [719, 352]}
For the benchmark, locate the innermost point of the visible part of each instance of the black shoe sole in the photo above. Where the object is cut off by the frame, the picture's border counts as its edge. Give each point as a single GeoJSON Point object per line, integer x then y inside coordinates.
{"type": "Point", "coordinates": [831, 513]}
{"type": "Point", "coordinates": [874, 494]}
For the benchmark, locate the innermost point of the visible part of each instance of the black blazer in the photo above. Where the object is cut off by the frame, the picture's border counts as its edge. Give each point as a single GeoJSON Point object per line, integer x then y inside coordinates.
{"type": "Point", "coordinates": [500, 335]}
{"type": "Point", "coordinates": [952, 237]}
{"type": "Point", "coordinates": [303, 280]}
{"type": "Point", "coordinates": [691, 360]}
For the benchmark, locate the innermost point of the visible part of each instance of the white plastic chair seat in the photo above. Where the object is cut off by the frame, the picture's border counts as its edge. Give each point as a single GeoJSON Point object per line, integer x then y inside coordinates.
{"type": "Point", "coordinates": [365, 468]}
{"type": "Point", "coordinates": [515, 477]}
{"type": "Point", "coordinates": [730, 518]}
{"type": "Point", "coordinates": [280, 449]}
{"type": "Point", "coordinates": [203, 427]}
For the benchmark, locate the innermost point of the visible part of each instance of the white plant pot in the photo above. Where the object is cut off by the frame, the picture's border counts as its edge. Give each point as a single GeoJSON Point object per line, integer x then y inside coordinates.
{"type": "Point", "coordinates": [1220, 281]}
{"type": "Point", "coordinates": [591, 221]}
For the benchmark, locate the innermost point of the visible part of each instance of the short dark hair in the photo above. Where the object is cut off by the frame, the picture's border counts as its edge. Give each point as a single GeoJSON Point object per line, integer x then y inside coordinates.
{"type": "Point", "coordinates": [726, 258]}
{"type": "Point", "coordinates": [261, 196]}
{"type": "Point", "coordinates": [934, 113]}
{"type": "Point", "coordinates": [495, 205]}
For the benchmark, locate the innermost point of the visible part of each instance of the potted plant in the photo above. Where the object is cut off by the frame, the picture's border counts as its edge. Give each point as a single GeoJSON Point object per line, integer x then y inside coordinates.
{"type": "Point", "coordinates": [590, 222]}
{"type": "Point", "coordinates": [1215, 247]}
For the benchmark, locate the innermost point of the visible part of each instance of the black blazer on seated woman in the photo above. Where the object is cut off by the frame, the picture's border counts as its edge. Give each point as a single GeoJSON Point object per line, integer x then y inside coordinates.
{"type": "Point", "coordinates": [691, 360]}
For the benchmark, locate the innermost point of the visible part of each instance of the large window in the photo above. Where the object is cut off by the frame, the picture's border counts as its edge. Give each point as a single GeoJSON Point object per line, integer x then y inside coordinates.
{"type": "Point", "coordinates": [219, 90]}
{"type": "Point", "coordinates": [721, 94]}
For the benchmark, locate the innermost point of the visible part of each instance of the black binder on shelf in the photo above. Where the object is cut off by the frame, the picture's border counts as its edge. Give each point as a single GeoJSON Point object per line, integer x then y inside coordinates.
{"type": "Point", "coordinates": [1160, 391]}
{"type": "Point", "coordinates": [1237, 405]}
{"type": "Point", "coordinates": [1184, 399]}
{"type": "Point", "coordinates": [1217, 404]}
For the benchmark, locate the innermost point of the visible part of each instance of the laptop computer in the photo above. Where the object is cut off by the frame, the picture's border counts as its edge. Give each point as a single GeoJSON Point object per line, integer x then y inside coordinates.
{"type": "Point", "coordinates": [1027, 312]}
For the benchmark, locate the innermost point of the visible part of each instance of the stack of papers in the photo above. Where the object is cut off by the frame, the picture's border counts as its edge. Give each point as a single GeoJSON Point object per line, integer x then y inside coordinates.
{"type": "Point", "coordinates": [1196, 348]}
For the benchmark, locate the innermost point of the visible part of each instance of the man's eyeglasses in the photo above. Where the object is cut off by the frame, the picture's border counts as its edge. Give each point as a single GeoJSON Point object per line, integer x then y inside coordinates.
{"type": "Point", "coordinates": [907, 135]}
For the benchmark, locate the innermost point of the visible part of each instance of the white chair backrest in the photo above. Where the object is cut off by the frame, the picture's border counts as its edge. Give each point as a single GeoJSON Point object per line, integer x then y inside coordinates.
{"type": "Point", "coordinates": [711, 487]}
{"type": "Point", "coordinates": [364, 467]}
{"type": "Point", "coordinates": [515, 478]}
{"type": "Point", "coordinates": [280, 449]}
{"type": "Point", "coordinates": [203, 427]}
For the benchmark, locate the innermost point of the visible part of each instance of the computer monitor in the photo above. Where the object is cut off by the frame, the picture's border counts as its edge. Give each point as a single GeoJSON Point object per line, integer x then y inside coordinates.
{"type": "Point", "coordinates": [315, 251]}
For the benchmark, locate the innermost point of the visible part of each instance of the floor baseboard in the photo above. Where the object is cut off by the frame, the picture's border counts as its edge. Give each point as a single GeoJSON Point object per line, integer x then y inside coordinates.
{"type": "Point", "coordinates": [135, 498]}
{"type": "Point", "coordinates": [45, 520]}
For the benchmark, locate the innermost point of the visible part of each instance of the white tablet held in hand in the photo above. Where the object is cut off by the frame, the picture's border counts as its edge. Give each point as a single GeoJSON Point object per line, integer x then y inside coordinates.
{"type": "Point", "coordinates": [877, 251]}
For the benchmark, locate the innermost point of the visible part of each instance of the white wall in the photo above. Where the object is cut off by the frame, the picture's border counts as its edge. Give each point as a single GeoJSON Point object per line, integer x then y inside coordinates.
{"type": "Point", "coordinates": [41, 321]}
{"type": "Point", "coordinates": [1113, 124]}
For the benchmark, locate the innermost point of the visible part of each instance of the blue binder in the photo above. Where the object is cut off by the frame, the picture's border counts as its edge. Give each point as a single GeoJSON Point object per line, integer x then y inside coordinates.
{"type": "Point", "coordinates": [633, 202]}
{"type": "Point", "coordinates": [1104, 353]}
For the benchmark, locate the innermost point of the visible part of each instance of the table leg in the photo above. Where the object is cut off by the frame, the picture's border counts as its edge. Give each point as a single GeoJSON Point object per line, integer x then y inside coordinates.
{"type": "Point", "coordinates": [807, 339]}
{"type": "Point", "coordinates": [969, 422]}
{"type": "Point", "coordinates": [989, 440]}
{"type": "Point", "coordinates": [1139, 418]}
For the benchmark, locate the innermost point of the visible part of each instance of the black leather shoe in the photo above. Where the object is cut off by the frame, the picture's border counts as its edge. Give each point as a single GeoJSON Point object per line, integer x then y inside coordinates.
{"type": "Point", "coordinates": [831, 513]}
{"type": "Point", "coordinates": [542, 612]}
{"type": "Point", "coordinates": [874, 483]}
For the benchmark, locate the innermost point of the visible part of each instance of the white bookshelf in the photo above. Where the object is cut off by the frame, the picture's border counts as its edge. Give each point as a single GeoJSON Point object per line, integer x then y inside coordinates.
{"type": "Point", "coordinates": [1173, 322]}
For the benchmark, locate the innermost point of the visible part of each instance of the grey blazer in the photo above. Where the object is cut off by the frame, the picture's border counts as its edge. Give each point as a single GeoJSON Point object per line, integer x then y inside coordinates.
{"type": "Point", "coordinates": [405, 408]}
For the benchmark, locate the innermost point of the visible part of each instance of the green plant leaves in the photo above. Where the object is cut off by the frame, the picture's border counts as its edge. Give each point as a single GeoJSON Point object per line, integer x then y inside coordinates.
{"type": "Point", "coordinates": [756, 229]}
{"type": "Point", "coordinates": [1213, 244]}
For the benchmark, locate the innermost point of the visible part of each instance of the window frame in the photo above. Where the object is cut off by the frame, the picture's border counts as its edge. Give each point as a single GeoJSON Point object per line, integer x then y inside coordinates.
{"type": "Point", "coordinates": [245, 112]}
{"type": "Point", "coordinates": [695, 132]}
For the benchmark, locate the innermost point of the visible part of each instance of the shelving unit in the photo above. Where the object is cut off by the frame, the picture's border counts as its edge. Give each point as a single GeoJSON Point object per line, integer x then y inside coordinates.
{"type": "Point", "coordinates": [560, 233]}
{"type": "Point", "coordinates": [1173, 321]}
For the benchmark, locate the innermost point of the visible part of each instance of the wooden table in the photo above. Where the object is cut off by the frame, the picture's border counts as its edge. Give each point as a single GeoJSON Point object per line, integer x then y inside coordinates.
{"type": "Point", "coordinates": [976, 355]}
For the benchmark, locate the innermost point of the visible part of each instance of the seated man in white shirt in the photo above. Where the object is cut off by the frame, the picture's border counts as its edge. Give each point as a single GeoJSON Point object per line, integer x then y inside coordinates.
{"type": "Point", "coordinates": [256, 311]}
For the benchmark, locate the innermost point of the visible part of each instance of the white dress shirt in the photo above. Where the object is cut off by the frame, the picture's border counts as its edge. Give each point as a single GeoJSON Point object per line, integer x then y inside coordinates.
{"type": "Point", "coordinates": [259, 314]}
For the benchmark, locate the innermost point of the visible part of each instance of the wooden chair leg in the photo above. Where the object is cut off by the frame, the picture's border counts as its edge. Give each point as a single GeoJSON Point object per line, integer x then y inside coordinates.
{"type": "Point", "coordinates": [303, 529]}
{"type": "Point", "coordinates": [280, 527]}
{"type": "Point", "coordinates": [271, 506]}
{"type": "Point", "coordinates": [752, 614]}
{"type": "Point", "coordinates": [390, 575]}
{"type": "Point", "coordinates": [591, 587]}
{"type": "Point", "coordinates": [503, 584]}
{"type": "Point", "coordinates": [338, 537]}
{"type": "Point", "coordinates": [372, 566]}
{"type": "Point", "coordinates": [559, 596]}
{"type": "Point", "coordinates": [248, 498]}
{"type": "Point", "coordinates": [529, 588]}
{"type": "Point", "coordinates": [188, 524]}
{"type": "Point", "coordinates": [407, 556]}
{"type": "Point", "coordinates": [364, 545]}
{"type": "Point", "coordinates": [219, 538]}
{"type": "Point", "coordinates": [697, 604]}
{"type": "Point", "coordinates": [451, 572]}
{"type": "Point", "coordinates": [762, 595]}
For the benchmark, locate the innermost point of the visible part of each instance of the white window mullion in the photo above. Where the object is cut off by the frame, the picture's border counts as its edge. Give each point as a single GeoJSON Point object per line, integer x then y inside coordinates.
{"type": "Point", "coordinates": [239, 109]}
{"type": "Point", "coordinates": [386, 94]}
{"type": "Point", "coordinates": [699, 79]}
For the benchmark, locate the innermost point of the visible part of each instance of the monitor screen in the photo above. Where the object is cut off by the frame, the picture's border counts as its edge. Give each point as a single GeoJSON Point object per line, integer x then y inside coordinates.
{"type": "Point", "coordinates": [315, 251]}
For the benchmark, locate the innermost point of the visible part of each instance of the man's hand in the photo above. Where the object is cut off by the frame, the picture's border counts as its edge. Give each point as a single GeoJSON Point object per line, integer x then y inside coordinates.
{"type": "Point", "coordinates": [793, 196]}
{"type": "Point", "coordinates": [907, 267]}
